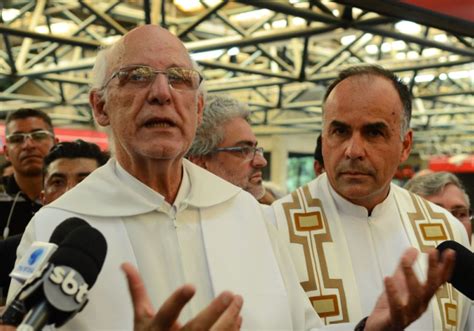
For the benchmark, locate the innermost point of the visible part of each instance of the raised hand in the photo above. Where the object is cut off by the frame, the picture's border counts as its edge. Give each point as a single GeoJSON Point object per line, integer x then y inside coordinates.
{"type": "Point", "coordinates": [223, 313]}
{"type": "Point", "coordinates": [405, 299]}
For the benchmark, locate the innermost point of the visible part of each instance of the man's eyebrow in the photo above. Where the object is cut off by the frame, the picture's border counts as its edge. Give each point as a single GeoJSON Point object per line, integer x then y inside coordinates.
{"type": "Point", "coordinates": [376, 125]}
{"type": "Point", "coordinates": [246, 143]}
{"type": "Point", "coordinates": [338, 124]}
{"type": "Point", "coordinates": [57, 175]}
{"type": "Point", "coordinates": [83, 174]}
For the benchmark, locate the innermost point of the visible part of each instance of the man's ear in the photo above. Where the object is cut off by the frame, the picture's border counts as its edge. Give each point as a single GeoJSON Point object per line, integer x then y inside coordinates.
{"type": "Point", "coordinates": [42, 197]}
{"type": "Point", "coordinates": [198, 160]}
{"type": "Point", "coordinates": [200, 108]}
{"type": "Point", "coordinates": [407, 144]}
{"type": "Point", "coordinates": [5, 152]}
{"type": "Point", "coordinates": [98, 107]}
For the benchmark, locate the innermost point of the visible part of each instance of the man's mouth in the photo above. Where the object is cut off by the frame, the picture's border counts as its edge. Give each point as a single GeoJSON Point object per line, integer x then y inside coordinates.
{"type": "Point", "coordinates": [159, 123]}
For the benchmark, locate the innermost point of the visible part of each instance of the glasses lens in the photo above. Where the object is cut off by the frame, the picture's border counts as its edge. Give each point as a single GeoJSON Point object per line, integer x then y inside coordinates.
{"type": "Point", "coordinates": [17, 138]}
{"type": "Point", "coordinates": [39, 135]}
{"type": "Point", "coordinates": [135, 75]}
{"type": "Point", "coordinates": [183, 79]}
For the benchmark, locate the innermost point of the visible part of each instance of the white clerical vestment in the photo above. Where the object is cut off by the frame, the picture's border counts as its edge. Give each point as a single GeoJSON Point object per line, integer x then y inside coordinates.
{"type": "Point", "coordinates": [342, 253]}
{"type": "Point", "coordinates": [213, 236]}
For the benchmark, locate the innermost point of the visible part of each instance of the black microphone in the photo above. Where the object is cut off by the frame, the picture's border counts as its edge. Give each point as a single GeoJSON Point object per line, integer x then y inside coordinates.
{"type": "Point", "coordinates": [65, 228]}
{"type": "Point", "coordinates": [61, 289]}
{"type": "Point", "coordinates": [32, 263]}
{"type": "Point", "coordinates": [463, 273]}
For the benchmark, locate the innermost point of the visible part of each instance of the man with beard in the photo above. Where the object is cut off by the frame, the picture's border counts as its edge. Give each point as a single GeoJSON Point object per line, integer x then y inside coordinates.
{"type": "Point", "coordinates": [226, 146]}
{"type": "Point", "coordinates": [29, 137]}
{"type": "Point", "coordinates": [349, 225]}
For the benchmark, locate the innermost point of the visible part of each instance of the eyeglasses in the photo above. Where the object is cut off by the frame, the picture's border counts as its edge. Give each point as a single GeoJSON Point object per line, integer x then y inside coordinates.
{"type": "Point", "coordinates": [141, 76]}
{"type": "Point", "coordinates": [20, 138]}
{"type": "Point", "coordinates": [247, 152]}
{"type": "Point", "coordinates": [462, 214]}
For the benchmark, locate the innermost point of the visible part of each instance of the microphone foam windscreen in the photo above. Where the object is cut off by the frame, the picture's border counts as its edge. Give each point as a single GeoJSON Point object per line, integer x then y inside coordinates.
{"type": "Point", "coordinates": [65, 228]}
{"type": "Point", "coordinates": [463, 274]}
{"type": "Point", "coordinates": [84, 250]}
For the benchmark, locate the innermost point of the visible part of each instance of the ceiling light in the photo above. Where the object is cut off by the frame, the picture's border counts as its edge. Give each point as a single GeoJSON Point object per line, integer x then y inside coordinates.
{"type": "Point", "coordinates": [346, 40]}
{"type": "Point", "coordinates": [408, 27]}
{"type": "Point", "coordinates": [233, 51]}
{"type": "Point", "coordinates": [441, 38]}
{"type": "Point", "coordinates": [59, 28]}
{"type": "Point", "coordinates": [461, 74]}
{"type": "Point", "coordinates": [209, 55]}
{"type": "Point", "coordinates": [386, 47]}
{"type": "Point", "coordinates": [399, 45]}
{"type": "Point", "coordinates": [298, 21]}
{"type": "Point", "coordinates": [279, 24]}
{"type": "Point", "coordinates": [443, 76]}
{"type": "Point", "coordinates": [253, 15]}
{"type": "Point", "coordinates": [9, 14]}
{"type": "Point", "coordinates": [424, 78]}
{"type": "Point", "coordinates": [372, 49]}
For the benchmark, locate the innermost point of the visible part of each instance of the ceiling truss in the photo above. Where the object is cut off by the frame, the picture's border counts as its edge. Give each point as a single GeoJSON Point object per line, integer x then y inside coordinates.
{"type": "Point", "coordinates": [277, 56]}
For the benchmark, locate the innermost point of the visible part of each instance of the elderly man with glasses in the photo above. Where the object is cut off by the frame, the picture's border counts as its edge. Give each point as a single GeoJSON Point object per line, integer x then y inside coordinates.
{"type": "Point", "coordinates": [445, 190]}
{"type": "Point", "coordinates": [177, 223]}
{"type": "Point", "coordinates": [226, 146]}
{"type": "Point", "coordinates": [29, 137]}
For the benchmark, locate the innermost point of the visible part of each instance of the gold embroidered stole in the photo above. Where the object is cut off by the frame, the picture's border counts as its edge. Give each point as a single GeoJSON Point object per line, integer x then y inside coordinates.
{"type": "Point", "coordinates": [426, 230]}
{"type": "Point", "coordinates": [331, 287]}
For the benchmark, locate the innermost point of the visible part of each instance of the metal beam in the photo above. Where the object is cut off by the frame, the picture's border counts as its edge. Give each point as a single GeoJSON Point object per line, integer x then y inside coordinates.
{"type": "Point", "coordinates": [109, 21]}
{"type": "Point", "coordinates": [86, 43]}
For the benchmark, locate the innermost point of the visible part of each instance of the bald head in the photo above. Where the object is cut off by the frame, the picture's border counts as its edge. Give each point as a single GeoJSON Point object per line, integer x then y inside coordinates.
{"type": "Point", "coordinates": [123, 51]}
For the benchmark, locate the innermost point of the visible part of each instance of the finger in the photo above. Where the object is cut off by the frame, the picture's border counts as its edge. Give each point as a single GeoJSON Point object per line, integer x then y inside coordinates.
{"type": "Point", "coordinates": [394, 302]}
{"type": "Point", "coordinates": [448, 259]}
{"type": "Point", "coordinates": [206, 318]}
{"type": "Point", "coordinates": [169, 312]}
{"type": "Point", "coordinates": [230, 319]}
{"type": "Point", "coordinates": [439, 271]}
{"type": "Point", "coordinates": [415, 291]}
{"type": "Point", "coordinates": [142, 306]}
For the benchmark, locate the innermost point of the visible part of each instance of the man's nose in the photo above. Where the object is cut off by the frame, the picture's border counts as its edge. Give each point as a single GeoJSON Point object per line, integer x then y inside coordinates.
{"type": "Point", "coordinates": [159, 90]}
{"type": "Point", "coordinates": [259, 161]}
{"type": "Point", "coordinates": [355, 148]}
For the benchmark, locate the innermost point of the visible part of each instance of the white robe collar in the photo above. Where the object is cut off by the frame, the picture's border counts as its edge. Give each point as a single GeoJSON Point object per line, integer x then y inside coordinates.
{"type": "Point", "coordinates": [104, 194]}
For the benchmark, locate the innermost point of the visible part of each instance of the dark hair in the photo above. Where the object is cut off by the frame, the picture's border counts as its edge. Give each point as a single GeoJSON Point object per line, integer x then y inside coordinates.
{"type": "Point", "coordinates": [75, 149]}
{"type": "Point", "coordinates": [23, 113]}
{"type": "Point", "coordinates": [318, 151]}
{"type": "Point", "coordinates": [375, 70]}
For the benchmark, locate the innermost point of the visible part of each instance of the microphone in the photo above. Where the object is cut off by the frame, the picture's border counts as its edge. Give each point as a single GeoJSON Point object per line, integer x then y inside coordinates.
{"type": "Point", "coordinates": [62, 290]}
{"type": "Point", "coordinates": [59, 290]}
{"type": "Point", "coordinates": [40, 252]}
{"type": "Point", "coordinates": [463, 272]}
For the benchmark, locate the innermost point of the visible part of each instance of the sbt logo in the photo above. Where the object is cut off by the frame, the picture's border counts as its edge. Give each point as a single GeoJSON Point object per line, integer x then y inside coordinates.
{"type": "Point", "coordinates": [70, 281]}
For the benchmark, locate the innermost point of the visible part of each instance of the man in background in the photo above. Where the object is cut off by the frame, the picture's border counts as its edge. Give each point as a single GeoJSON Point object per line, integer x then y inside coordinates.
{"type": "Point", "coordinates": [347, 226]}
{"type": "Point", "coordinates": [318, 164]}
{"type": "Point", "coordinates": [66, 165]}
{"type": "Point", "coordinates": [445, 190]}
{"type": "Point", "coordinates": [29, 137]}
{"type": "Point", "coordinates": [226, 146]}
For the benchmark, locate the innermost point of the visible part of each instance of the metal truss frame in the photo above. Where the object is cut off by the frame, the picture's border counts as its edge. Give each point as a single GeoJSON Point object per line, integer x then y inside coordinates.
{"type": "Point", "coordinates": [277, 56]}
